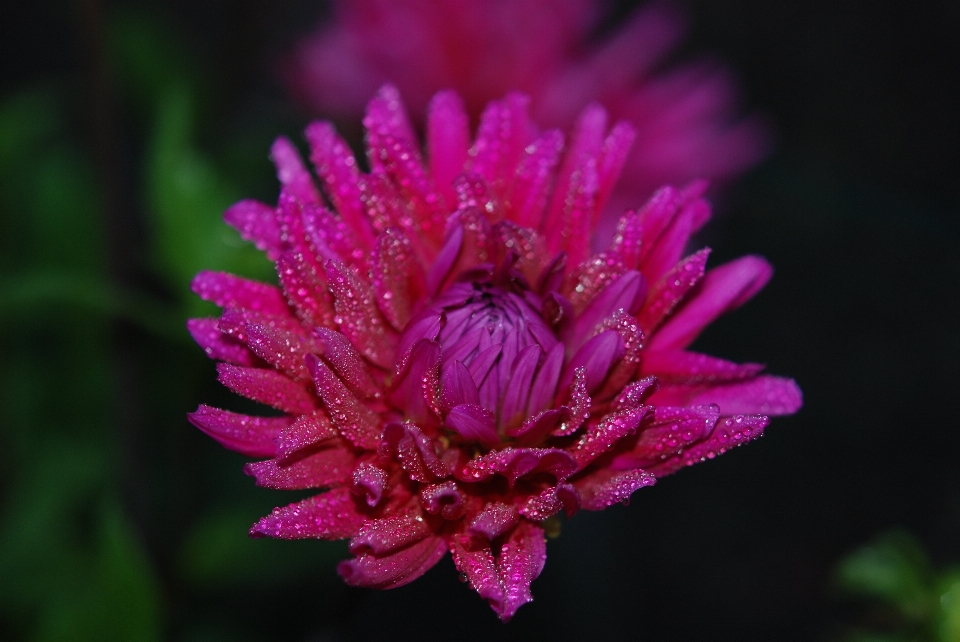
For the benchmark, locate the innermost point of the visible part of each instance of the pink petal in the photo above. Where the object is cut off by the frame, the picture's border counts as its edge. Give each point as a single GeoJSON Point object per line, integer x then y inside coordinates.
{"type": "Point", "coordinates": [672, 430]}
{"type": "Point", "coordinates": [544, 387]}
{"type": "Point", "coordinates": [767, 395]}
{"type": "Point", "coordinates": [216, 344]}
{"type": "Point", "coordinates": [667, 293]}
{"type": "Point", "coordinates": [229, 291]}
{"type": "Point", "coordinates": [369, 481]}
{"type": "Point", "coordinates": [398, 277]}
{"type": "Point", "coordinates": [595, 357]}
{"type": "Point", "coordinates": [480, 568]}
{"type": "Point", "coordinates": [682, 367]}
{"type": "Point", "coordinates": [353, 419]}
{"type": "Point", "coordinates": [613, 156]}
{"type": "Point", "coordinates": [457, 387]}
{"type": "Point", "coordinates": [416, 452]}
{"type": "Point", "coordinates": [448, 138]}
{"type": "Point", "coordinates": [514, 405]}
{"type": "Point", "coordinates": [340, 355]}
{"type": "Point", "coordinates": [394, 569]}
{"type": "Point", "coordinates": [535, 175]}
{"type": "Point", "coordinates": [521, 561]}
{"type": "Point", "coordinates": [331, 515]}
{"type": "Point", "coordinates": [606, 487]}
{"type": "Point", "coordinates": [722, 289]}
{"type": "Point", "coordinates": [514, 463]}
{"type": "Point", "coordinates": [474, 423]}
{"type": "Point", "coordinates": [291, 172]}
{"type": "Point", "coordinates": [307, 431]}
{"type": "Point", "coordinates": [268, 387]}
{"type": "Point", "coordinates": [337, 169]}
{"type": "Point", "coordinates": [359, 318]}
{"type": "Point", "coordinates": [257, 223]}
{"type": "Point", "coordinates": [283, 350]}
{"type": "Point", "coordinates": [327, 466]}
{"type": "Point", "coordinates": [251, 436]}
{"type": "Point", "coordinates": [602, 436]}
{"type": "Point", "coordinates": [495, 519]}
{"type": "Point", "coordinates": [728, 433]}
{"type": "Point", "coordinates": [386, 535]}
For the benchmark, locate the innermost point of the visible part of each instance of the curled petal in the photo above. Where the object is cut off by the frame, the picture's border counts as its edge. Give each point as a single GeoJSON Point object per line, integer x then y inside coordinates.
{"type": "Point", "coordinates": [416, 452]}
{"type": "Point", "coordinates": [444, 499]}
{"type": "Point", "coordinates": [493, 520]}
{"type": "Point", "coordinates": [369, 481]}
{"type": "Point", "coordinates": [480, 567]}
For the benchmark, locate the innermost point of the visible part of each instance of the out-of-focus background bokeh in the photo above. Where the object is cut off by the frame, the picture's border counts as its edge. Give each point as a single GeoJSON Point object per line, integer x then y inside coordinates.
{"type": "Point", "coordinates": [126, 128]}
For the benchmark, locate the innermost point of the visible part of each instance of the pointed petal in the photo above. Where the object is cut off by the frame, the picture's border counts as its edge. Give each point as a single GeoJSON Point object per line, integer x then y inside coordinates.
{"type": "Point", "coordinates": [359, 318]}
{"type": "Point", "coordinates": [535, 176]}
{"type": "Point", "coordinates": [331, 515]}
{"type": "Point", "coordinates": [722, 289]}
{"type": "Point", "coordinates": [325, 467]}
{"type": "Point", "coordinates": [613, 156]}
{"type": "Point", "coordinates": [268, 387]}
{"type": "Point", "coordinates": [415, 388]}
{"type": "Point", "coordinates": [667, 293]}
{"type": "Point", "coordinates": [691, 368]}
{"type": "Point", "coordinates": [305, 289]}
{"type": "Point", "coordinates": [767, 395]}
{"type": "Point", "coordinates": [521, 560]}
{"type": "Point", "coordinates": [607, 487]}
{"type": "Point", "coordinates": [448, 138]}
{"type": "Point", "coordinates": [251, 436]}
{"type": "Point", "coordinates": [281, 349]}
{"type": "Point", "coordinates": [343, 357]}
{"type": "Point", "coordinates": [394, 569]}
{"type": "Point", "coordinates": [291, 172]}
{"type": "Point", "coordinates": [596, 356]}
{"type": "Point", "coordinates": [601, 437]}
{"type": "Point", "coordinates": [337, 169]}
{"type": "Point", "coordinates": [216, 344]}
{"type": "Point", "coordinates": [356, 422]}
{"type": "Point", "coordinates": [398, 277]}
{"type": "Point", "coordinates": [514, 406]}
{"type": "Point", "coordinates": [229, 291]}
{"type": "Point", "coordinates": [545, 385]}
{"type": "Point", "coordinates": [257, 223]}
{"type": "Point", "coordinates": [307, 431]}
{"type": "Point", "coordinates": [514, 463]}
{"type": "Point", "coordinates": [457, 387]}
{"type": "Point", "coordinates": [729, 432]}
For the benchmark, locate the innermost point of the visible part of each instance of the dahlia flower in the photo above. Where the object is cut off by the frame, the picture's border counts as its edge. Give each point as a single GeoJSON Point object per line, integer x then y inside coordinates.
{"type": "Point", "coordinates": [453, 364]}
{"type": "Point", "coordinates": [685, 116]}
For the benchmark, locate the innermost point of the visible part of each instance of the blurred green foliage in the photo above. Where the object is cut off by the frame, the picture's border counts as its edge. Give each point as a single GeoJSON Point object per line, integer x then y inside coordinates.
{"type": "Point", "coordinates": [74, 562]}
{"type": "Point", "coordinates": [909, 600]}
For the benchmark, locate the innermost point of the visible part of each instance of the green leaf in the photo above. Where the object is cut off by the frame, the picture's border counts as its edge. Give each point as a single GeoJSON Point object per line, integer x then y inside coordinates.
{"type": "Point", "coordinates": [948, 589]}
{"type": "Point", "coordinates": [892, 568]}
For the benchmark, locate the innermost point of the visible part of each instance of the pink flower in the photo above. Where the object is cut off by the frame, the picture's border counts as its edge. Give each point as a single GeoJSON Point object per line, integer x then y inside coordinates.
{"type": "Point", "coordinates": [685, 117]}
{"type": "Point", "coordinates": [453, 365]}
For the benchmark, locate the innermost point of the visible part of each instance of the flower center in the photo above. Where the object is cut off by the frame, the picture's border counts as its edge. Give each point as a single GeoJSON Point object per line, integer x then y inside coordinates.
{"type": "Point", "coordinates": [498, 357]}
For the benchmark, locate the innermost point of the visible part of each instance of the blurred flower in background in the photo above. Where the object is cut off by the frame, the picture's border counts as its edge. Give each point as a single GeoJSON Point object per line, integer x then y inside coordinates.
{"type": "Point", "coordinates": [453, 362]}
{"type": "Point", "coordinates": [685, 115]}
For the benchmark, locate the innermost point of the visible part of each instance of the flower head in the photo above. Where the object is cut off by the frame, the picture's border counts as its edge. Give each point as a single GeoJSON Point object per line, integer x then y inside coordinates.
{"type": "Point", "coordinates": [453, 363]}
{"type": "Point", "coordinates": [685, 115]}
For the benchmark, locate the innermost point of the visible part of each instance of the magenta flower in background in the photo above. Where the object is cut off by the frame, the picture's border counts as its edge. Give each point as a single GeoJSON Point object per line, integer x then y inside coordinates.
{"type": "Point", "coordinates": [685, 116]}
{"type": "Point", "coordinates": [453, 364]}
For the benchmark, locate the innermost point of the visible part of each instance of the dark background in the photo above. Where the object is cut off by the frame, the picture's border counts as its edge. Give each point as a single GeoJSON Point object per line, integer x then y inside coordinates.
{"type": "Point", "coordinates": [121, 521]}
